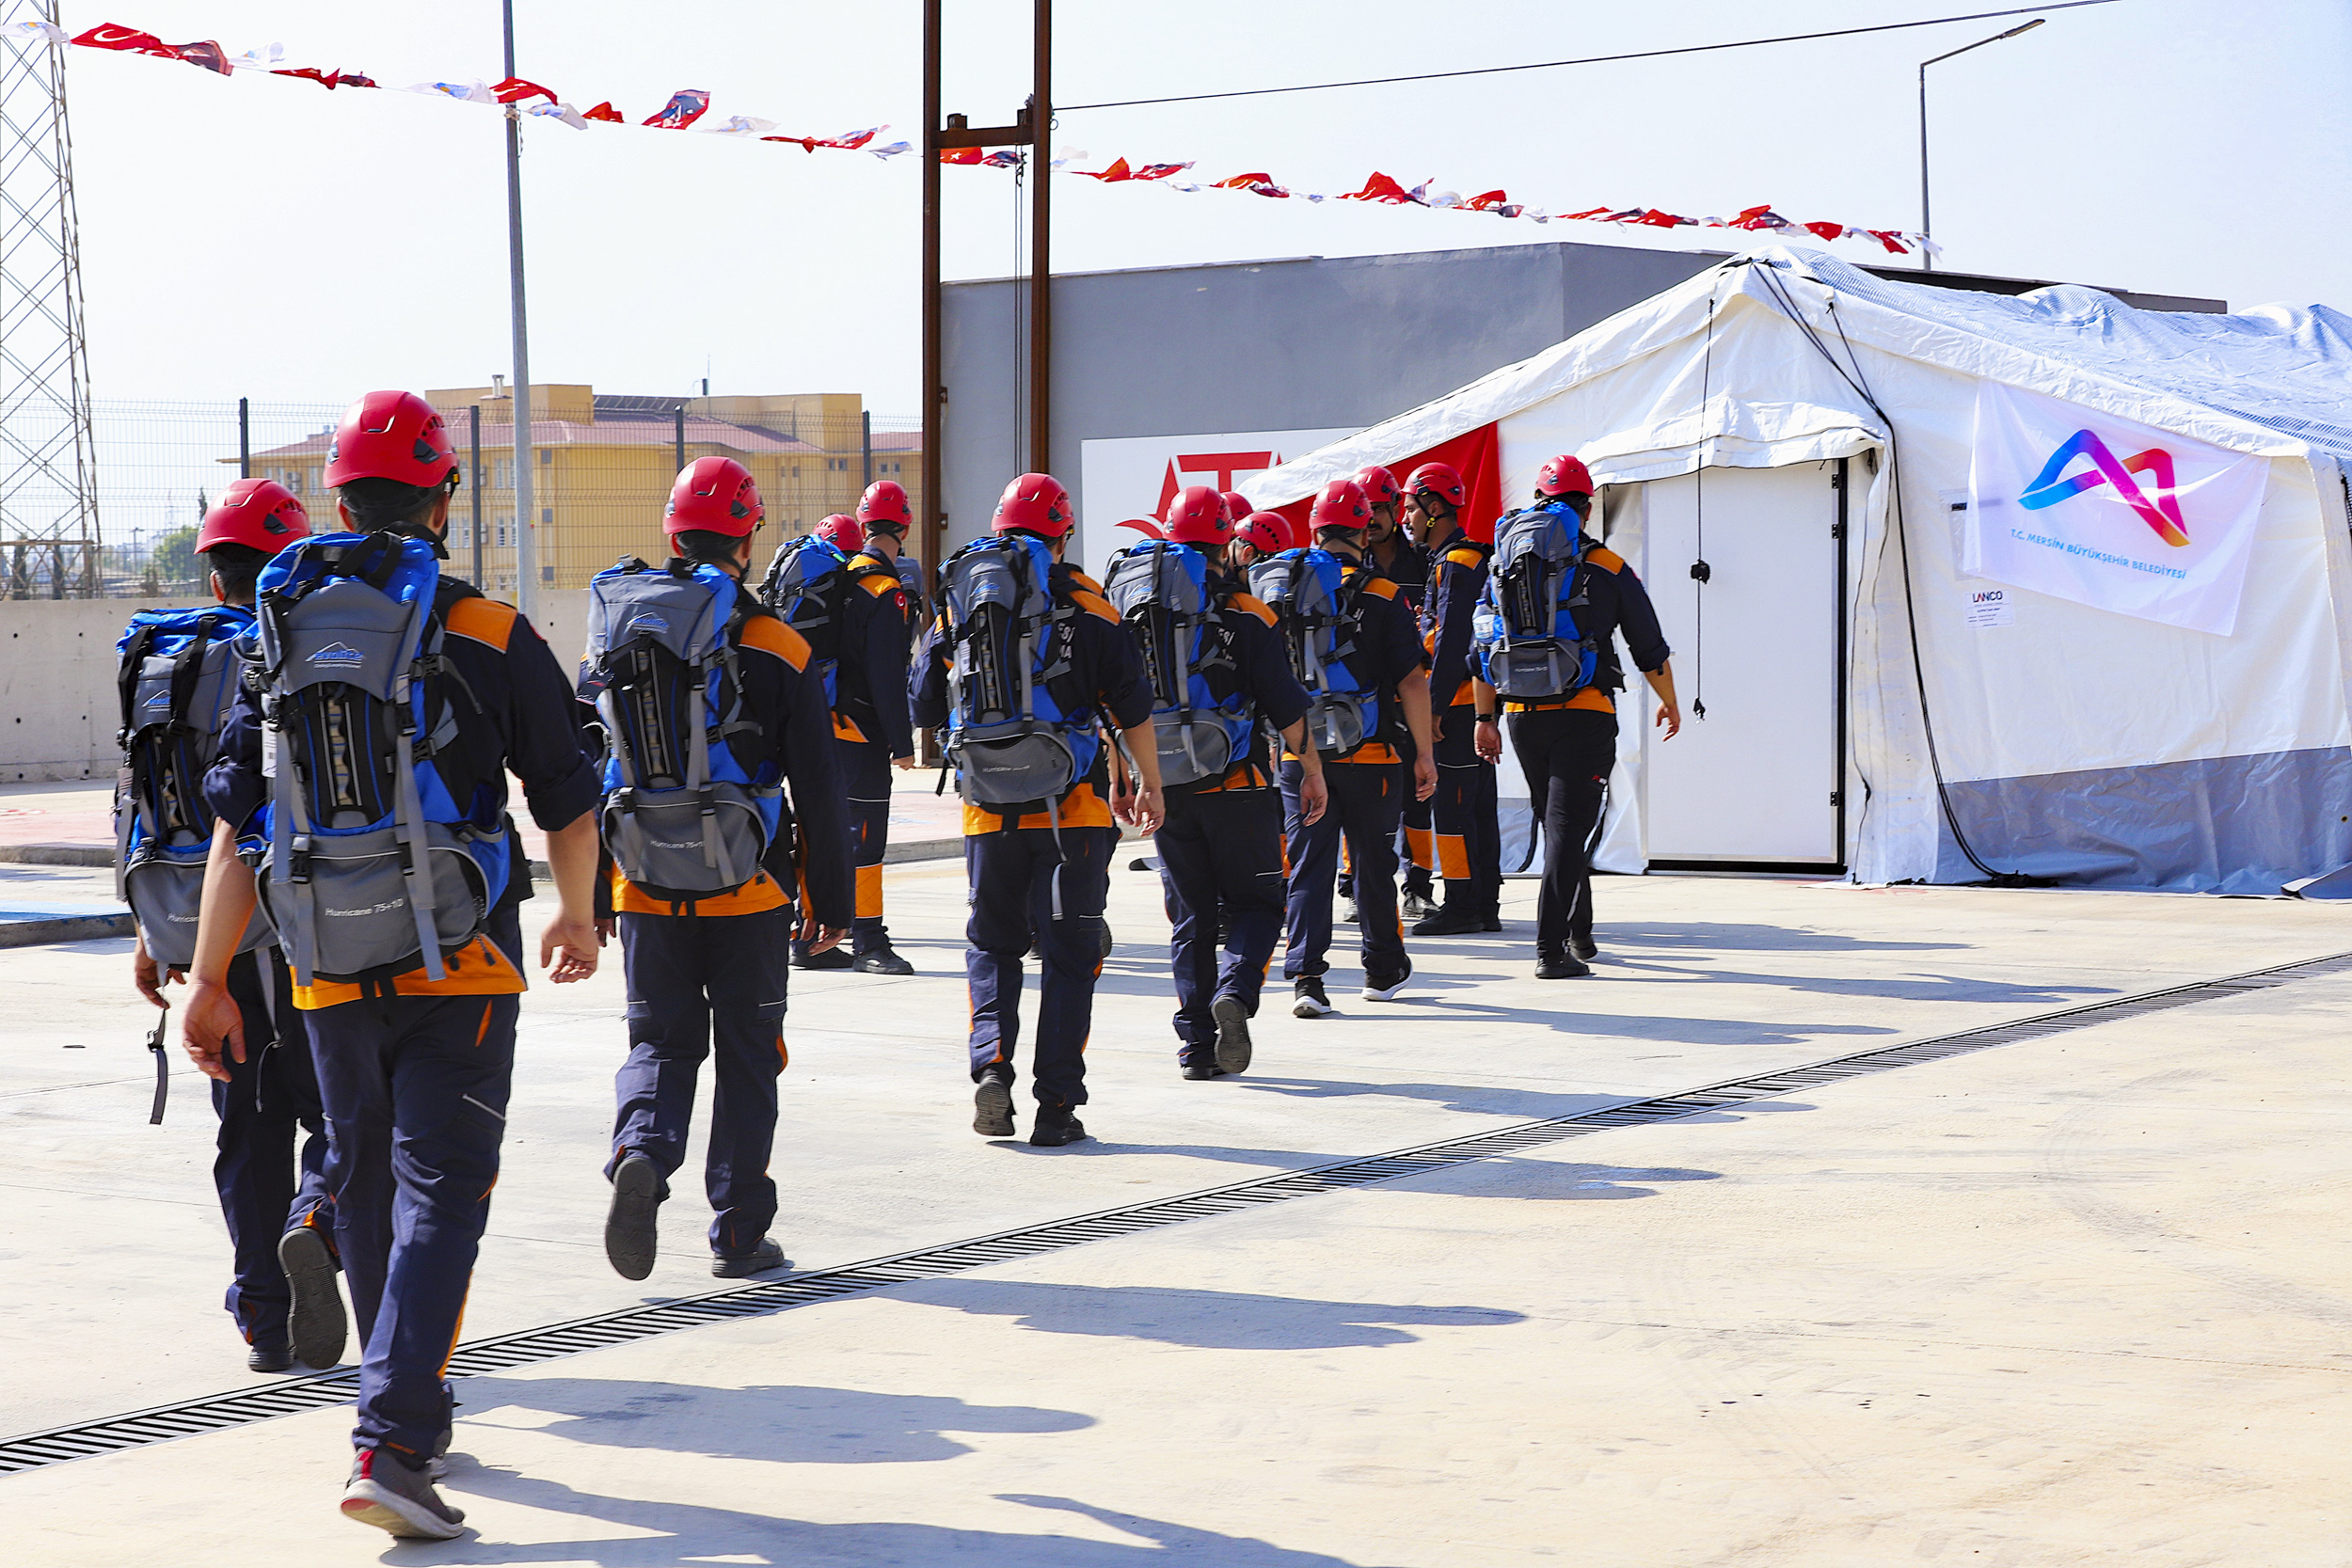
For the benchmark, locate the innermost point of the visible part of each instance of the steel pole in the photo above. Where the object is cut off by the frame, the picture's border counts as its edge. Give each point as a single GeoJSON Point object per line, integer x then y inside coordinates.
{"type": "Point", "coordinates": [930, 516]}
{"type": "Point", "coordinates": [473, 482]}
{"type": "Point", "coordinates": [1927, 257]}
{"type": "Point", "coordinates": [1040, 250]}
{"type": "Point", "coordinates": [526, 514]}
{"type": "Point", "coordinates": [244, 439]}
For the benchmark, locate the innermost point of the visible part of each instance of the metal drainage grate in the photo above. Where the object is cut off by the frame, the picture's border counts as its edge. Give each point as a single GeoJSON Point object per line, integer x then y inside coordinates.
{"type": "Point", "coordinates": [218, 1412]}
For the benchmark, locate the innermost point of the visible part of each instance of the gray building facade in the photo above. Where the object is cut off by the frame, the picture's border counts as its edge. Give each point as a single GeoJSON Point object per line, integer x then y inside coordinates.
{"type": "Point", "coordinates": [1303, 343]}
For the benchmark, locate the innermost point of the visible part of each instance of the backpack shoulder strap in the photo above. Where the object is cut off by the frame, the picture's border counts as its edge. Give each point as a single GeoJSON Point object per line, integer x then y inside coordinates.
{"type": "Point", "coordinates": [127, 676]}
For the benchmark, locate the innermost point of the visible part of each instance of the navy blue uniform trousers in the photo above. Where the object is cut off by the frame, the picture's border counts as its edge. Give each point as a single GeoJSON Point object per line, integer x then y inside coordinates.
{"type": "Point", "coordinates": [1012, 879]}
{"type": "Point", "coordinates": [1367, 800]}
{"type": "Point", "coordinates": [1220, 847]}
{"type": "Point", "coordinates": [1466, 809]}
{"type": "Point", "coordinates": [865, 780]}
{"type": "Point", "coordinates": [415, 1089]}
{"type": "Point", "coordinates": [266, 1187]}
{"type": "Point", "coordinates": [694, 981]}
{"type": "Point", "coordinates": [1567, 754]}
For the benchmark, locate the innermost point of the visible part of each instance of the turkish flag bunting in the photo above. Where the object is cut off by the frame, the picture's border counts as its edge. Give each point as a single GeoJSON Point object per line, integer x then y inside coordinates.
{"type": "Point", "coordinates": [1891, 239]}
{"type": "Point", "coordinates": [1118, 171]}
{"type": "Point", "coordinates": [1824, 230]}
{"type": "Point", "coordinates": [106, 35]}
{"type": "Point", "coordinates": [1378, 188]}
{"type": "Point", "coordinates": [605, 112]}
{"type": "Point", "coordinates": [515, 89]}
{"type": "Point", "coordinates": [686, 106]}
{"type": "Point", "coordinates": [1657, 219]}
{"type": "Point", "coordinates": [1487, 201]}
{"type": "Point", "coordinates": [960, 155]}
{"type": "Point", "coordinates": [1260, 184]}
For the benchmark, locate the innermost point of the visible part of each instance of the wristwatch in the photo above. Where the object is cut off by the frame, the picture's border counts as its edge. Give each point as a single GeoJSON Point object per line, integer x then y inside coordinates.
{"type": "Point", "coordinates": [1487, 718]}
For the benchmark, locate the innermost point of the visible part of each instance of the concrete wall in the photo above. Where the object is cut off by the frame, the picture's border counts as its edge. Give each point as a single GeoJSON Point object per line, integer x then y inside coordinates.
{"type": "Point", "coordinates": [59, 711]}
{"type": "Point", "coordinates": [1308, 343]}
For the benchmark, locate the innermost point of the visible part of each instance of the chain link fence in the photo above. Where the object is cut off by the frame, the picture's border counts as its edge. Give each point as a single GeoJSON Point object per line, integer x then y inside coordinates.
{"type": "Point", "coordinates": [603, 465]}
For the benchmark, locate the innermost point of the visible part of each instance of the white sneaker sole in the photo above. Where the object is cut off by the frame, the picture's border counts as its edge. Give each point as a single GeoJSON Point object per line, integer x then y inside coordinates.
{"type": "Point", "coordinates": [1389, 996]}
{"type": "Point", "coordinates": [368, 1504]}
{"type": "Point", "coordinates": [1307, 1006]}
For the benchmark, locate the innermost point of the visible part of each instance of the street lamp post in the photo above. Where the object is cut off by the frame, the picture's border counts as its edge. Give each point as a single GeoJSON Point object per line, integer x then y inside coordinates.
{"type": "Point", "coordinates": [526, 552]}
{"type": "Point", "coordinates": [1927, 257]}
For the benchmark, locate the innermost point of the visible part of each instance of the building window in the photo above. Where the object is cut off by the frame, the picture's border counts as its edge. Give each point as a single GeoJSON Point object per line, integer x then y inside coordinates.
{"type": "Point", "coordinates": [547, 455]}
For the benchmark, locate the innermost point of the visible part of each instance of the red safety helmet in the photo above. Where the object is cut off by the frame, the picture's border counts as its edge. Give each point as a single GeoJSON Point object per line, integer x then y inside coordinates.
{"type": "Point", "coordinates": [713, 495]}
{"type": "Point", "coordinates": [1380, 486]}
{"type": "Point", "coordinates": [1441, 480]}
{"type": "Point", "coordinates": [884, 506]}
{"type": "Point", "coordinates": [842, 532]}
{"type": "Point", "coordinates": [1034, 503]}
{"type": "Point", "coordinates": [1564, 475]}
{"type": "Point", "coordinates": [391, 434]}
{"type": "Point", "coordinates": [1342, 505]}
{"type": "Point", "coordinates": [1197, 516]}
{"type": "Point", "coordinates": [1237, 506]}
{"type": "Point", "coordinates": [1268, 532]}
{"type": "Point", "coordinates": [260, 513]}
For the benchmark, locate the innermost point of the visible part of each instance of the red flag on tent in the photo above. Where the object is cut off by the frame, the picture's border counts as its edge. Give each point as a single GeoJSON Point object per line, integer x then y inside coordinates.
{"type": "Point", "coordinates": [686, 106]}
{"type": "Point", "coordinates": [605, 112]}
{"type": "Point", "coordinates": [1382, 189]}
{"type": "Point", "coordinates": [1262, 184]}
{"type": "Point", "coordinates": [515, 89]}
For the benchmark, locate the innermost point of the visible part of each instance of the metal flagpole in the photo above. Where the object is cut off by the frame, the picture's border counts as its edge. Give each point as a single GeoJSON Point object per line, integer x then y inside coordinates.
{"type": "Point", "coordinates": [526, 517]}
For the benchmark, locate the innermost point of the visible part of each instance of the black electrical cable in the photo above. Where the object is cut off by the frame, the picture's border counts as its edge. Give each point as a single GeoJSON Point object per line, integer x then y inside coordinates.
{"type": "Point", "coordinates": [1589, 59]}
{"type": "Point", "coordinates": [1860, 382]}
{"type": "Point", "coordinates": [1701, 573]}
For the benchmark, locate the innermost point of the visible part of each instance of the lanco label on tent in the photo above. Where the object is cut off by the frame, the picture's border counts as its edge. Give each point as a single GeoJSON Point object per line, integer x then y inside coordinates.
{"type": "Point", "coordinates": [1990, 607]}
{"type": "Point", "coordinates": [2107, 513]}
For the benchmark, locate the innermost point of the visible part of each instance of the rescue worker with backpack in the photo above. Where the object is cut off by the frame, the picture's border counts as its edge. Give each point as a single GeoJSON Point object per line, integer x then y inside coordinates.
{"type": "Point", "coordinates": [375, 732]}
{"type": "Point", "coordinates": [178, 673]}
{"type": "Point", "coordinates": [841, 589]}
{"type": "Point", "coordinates": [709, 702]}
{"type": "Point", "coordinates": [1468, 838]}
{"type": "Point", "coordinates": [1355, 647]}
{"type": "Point", "coordinates": [1025, 659]}
{"type": "Point", "coordinates": [1220, 679]}
{"type": "Point", "coordinates": [1256, 536]}
{"type": "Point", "coordinates": [1392, 551]}
{"type": "Point", "coordinates": [1555, 598]}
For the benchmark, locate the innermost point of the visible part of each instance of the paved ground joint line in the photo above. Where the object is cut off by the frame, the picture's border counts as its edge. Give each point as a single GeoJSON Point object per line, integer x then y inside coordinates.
{"type": "Point", "coordinates": [503, 1353]}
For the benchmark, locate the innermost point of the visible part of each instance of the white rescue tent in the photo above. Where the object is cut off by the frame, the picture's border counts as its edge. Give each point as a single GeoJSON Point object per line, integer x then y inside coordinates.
{"type": "Point", "coordinates": [2123, 664]}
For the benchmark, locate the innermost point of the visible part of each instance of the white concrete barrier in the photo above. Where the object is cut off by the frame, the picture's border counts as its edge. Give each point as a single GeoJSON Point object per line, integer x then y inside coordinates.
{"type": "Point", "coordinates": [58, 710]}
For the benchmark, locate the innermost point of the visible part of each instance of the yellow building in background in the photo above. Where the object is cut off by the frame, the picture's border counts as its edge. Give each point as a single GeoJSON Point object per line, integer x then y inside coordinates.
{"type": "Point", "coordinates": [604, 464]}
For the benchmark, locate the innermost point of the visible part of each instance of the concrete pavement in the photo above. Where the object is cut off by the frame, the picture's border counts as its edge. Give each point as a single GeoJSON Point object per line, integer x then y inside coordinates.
{"type": "Point", "coordinates": [2067, 1299]}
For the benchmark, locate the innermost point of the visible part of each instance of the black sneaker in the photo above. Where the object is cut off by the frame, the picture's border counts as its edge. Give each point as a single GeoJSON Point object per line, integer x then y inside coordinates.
{"type": "Point", "coordinates": [1490, 921]}
{"type": "Point", "coordinates": [1583, 949]}
{"type": "Point", "coordinates": [1448, 923]}
{"type": "Point", "coordinates": [1232, 1033]}
{"type": "Point", "coordinates": [1560, 966]}
{"type": "Point", "coordinates": [388, 1495]}
{"type": "Point", "coordinates": [832, 957]}
{"type": "Point", "coordinates": [315, 1323]}
{"type": "Point", "coordinates": [1200, 1071]}
{"type": "Point", "coordinates": [1351, 915]}
{"type": "Point", "coordinates": [1418, 904]}
{"type": "Point", "coordinates": [1108, 942]}
{"type": "Point", "coordinates": [270, 1353]}
{"type": "Point", "coordinates": [766, 1256]}
{"type": "Point", "coordinates": [1308, 999]}
{"type": "Point", "coordinates": [631, 1236]}
{"type": "Point", "coordinates": [991, 1107]}
{"type": "Point", "coordinates": [882, 960]}
{"type": "Point", "coordinates": [1384, 988]}
{"type": "Point", "coordinates": [1056, 1125]}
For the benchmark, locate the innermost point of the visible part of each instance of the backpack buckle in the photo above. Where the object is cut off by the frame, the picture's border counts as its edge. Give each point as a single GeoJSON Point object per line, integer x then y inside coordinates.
{"type": "Point", "coordinates": [298, 870]}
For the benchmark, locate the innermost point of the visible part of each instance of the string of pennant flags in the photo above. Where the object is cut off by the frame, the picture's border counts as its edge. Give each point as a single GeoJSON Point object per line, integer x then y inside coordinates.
{"type": "Point", "coordinates": [689, 109]}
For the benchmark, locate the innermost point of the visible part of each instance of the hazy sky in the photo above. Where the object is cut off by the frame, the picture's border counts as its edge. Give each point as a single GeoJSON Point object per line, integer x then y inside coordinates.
{"type": "Point", "coordinates": [262, 237]}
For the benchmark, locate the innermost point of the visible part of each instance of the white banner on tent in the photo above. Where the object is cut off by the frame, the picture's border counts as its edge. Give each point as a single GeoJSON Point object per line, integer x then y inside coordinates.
{"type": "Point", "coordinates": [2109, 513]}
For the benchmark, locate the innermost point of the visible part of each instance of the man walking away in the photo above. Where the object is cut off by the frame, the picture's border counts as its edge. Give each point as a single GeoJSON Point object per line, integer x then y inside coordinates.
{"type": "Point", "coordinates": [1555, 599]}
{"type": "Point", "coordinates": [871, 718]}
{"type": "Point", "coordinates": [1469, 836]}
{"type": "Point", "coordinates": [708, 700]}
{"type": "Point", "coordinates": [396, 701]}
{"type": "Point", "coordinates": [1017, 668]}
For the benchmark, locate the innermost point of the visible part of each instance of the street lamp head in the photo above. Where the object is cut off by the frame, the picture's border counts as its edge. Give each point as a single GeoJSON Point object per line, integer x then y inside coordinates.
{"type": "Point", "coordinates": [2025, 28]}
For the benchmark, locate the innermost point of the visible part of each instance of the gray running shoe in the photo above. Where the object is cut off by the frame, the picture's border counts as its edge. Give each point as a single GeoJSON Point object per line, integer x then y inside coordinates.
{"type": "Point", "coordinates": [991, 1107]}
{"type": "Point", "coordinates": [630, 1235]}
{"type": "Point", "coordinates": [388, 1495]}
{"type": "Point", "coordinates": [315, 1323]}
{"type": "Point", "coordinates": [766, 1256]}
{"type": "Point", "coordinates": [1232, 1033]}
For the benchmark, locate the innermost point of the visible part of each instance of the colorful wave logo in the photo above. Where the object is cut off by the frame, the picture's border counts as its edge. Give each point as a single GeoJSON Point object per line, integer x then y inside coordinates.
{"type": "Point", "coordinates": [2160, 511]}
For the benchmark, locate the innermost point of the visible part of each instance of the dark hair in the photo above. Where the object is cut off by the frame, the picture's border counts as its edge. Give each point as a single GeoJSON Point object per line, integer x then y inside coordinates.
{"type": "Point", "coordinates": [702, 544]}
{"type": "Point", "coordinates": [389, 504]}
{"type": "Point", "coordinates": [237, 566]}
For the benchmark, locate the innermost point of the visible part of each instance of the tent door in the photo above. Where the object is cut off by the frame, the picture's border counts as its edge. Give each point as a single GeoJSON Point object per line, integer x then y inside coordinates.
{"type": "Point", "coordinates": [1756, 782]}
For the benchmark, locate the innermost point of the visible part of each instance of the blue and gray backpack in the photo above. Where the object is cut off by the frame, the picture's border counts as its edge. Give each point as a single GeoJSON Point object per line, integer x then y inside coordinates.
{"type": "Point", "coordinates": [178, 675]}
{"type": "Point", "coordinates": [1019, 736]}
{"type": "Point", "coordinates": [683, 817]}
{"type": "Point", "coordinates": [1530, 642]}
{"type": "Point", "coordinates": [1168, 605]}
{"type": "Point", "coordinates": [385, 848]}
{"type": "Point", "coordinates": [805, 585]}
{"type": "Point", "coordinates": [1315, 609]}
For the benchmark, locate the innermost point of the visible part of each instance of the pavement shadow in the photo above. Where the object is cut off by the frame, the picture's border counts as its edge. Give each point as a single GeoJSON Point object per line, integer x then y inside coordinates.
{"type": "Point", "coordinates": [1891, 987]}
{"type": "Point", "coordinates": [789, 1425]}
{"type": "Point", "coordinates": [1494, 1100]}
{"type": "Point", "coordinates": [1454, 998]}
{"type": "Point", "coordinates": [1543, 1182]}
{"type": "Point", "coordinates": [1734, 935]}
{"type": "Point", "coordinates": [664, 1534]}
{"type": "Point", "coordinates": [1205, 1319]}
